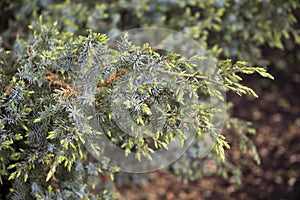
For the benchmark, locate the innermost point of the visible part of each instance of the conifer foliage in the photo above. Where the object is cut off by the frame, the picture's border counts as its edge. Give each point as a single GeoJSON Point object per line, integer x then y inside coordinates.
{"type": "Point", "coordinates": [43, 152]}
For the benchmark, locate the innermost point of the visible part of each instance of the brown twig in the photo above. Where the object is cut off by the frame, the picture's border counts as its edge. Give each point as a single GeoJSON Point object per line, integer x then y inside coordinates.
{"type": "Point", "coordinates": [111, 78]}
{"type": "Point", "coordinates": [67, 90]}
{"type": "Point", "coordinates": [60, 84]}
{"type": "Point", "coordinates": [8, 89]}
{"type": "Point", "coordinates": [53, 82]}
{"type": "Point", "coordinates": [51, 78]}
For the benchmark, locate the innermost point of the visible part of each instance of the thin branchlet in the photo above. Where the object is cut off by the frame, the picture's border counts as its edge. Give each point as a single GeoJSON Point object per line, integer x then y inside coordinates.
{"type": "Point", "coordinates": [111, 78]}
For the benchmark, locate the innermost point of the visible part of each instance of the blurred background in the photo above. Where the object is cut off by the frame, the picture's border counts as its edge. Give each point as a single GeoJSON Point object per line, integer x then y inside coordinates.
{"type": "Point", "coordinates": [262, 32]}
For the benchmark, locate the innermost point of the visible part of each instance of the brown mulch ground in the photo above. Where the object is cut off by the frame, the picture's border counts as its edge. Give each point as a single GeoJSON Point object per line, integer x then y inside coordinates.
{"type": "Point", "coordinates": [276, 116]}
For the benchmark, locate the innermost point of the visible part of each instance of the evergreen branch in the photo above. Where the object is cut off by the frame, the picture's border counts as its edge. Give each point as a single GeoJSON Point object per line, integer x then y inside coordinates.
{"type": "Point", "coordinates": [194, 75]}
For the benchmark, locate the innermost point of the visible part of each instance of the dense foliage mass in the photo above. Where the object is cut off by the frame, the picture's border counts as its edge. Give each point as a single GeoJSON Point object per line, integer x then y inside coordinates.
{"type": "Point", "coordinates": [42, 152]}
